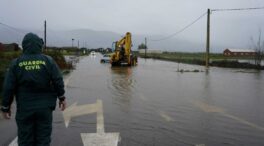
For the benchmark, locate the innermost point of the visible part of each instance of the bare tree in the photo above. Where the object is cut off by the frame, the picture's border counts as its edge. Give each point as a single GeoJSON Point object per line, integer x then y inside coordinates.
{"type": "Point", "coordinates": [259, 50]}
{"type": "Point", "coordinates": [142, 46]}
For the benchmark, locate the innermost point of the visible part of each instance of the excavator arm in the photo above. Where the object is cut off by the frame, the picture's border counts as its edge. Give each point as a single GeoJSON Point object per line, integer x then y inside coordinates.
{"type": "Point", "coordinates": [122, 54]}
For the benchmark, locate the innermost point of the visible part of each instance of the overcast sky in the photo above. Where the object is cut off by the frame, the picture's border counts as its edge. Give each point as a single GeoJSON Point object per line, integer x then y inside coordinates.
{"type": "Point", "coordinates": [145, 17]}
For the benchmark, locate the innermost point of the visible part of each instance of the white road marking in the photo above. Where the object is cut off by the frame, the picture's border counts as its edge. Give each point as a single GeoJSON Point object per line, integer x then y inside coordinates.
{"type": "Point", "coordinates": [100, 138]}
{"type": "Point", "coordinates": [89, 139]}
{"type": "Point", "coordinates": [74, 111]}
{"type": "Point", "coordinates": [14, 142]}
{"type": "Point", "coordinates": [165, 116]}
{"type": "Point", "coordinates": [142, 97]}
{"type": "Point", "coordinates": [200, 145]}
{"type": "Point", "coordinates": [103, 139]}
{"type": "Point", "coordinates": [244, 121]}
{"type": "Point", "coordinates": [100, 117]}
{"type": "Point", "coordinates": [92, 139]}
{"type": "Point", "coordinates": [209, 108]}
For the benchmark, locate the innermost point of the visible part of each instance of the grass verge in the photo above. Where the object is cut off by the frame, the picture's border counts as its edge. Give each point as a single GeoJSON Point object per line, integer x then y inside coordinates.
{"type": "Point", "coordinates": [217, 60]}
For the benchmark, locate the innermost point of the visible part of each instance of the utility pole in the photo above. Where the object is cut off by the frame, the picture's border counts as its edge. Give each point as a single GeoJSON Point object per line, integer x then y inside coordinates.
{"type": "Point", "coordinates": [45, 35]}
{"type": "Point", "coordinates": [72, 42]}
{"type": "Point", "coordinates": [113, 46]}
{"type": "Point", "coordinates": [78, 44]}
{"type": "Point", "coordinates": [207, 57]}
{"type": "Point", "coordinates": [146, 47]}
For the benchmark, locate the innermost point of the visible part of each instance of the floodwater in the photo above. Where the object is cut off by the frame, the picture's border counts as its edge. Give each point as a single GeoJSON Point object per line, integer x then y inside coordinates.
{"type": "Point", "coordinates": [154, 105]}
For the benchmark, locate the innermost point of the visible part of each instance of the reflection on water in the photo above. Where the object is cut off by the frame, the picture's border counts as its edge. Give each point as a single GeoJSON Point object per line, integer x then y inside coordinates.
{"type": "Point", "coordinates": [122, 84]}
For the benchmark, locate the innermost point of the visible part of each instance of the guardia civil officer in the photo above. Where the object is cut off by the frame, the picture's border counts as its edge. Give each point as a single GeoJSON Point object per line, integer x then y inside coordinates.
{"type": "Point", "coordinates": [36, 83]}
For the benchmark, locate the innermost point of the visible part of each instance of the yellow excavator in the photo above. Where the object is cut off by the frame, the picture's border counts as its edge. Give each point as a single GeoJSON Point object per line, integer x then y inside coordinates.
{"type": "Point", "coordinates": [122, 54]}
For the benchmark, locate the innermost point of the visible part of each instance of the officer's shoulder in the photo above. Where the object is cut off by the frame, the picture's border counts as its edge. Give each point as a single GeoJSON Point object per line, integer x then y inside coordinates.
{"type": "Point", "coordinates": [13, 64]}
{"type": "Point", "coordinates": [14, 61]}
{"type": "Point", "coordinates": [48, 58]}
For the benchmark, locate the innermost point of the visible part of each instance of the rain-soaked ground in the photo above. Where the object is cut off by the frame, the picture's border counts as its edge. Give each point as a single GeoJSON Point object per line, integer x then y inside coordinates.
{"type": "Point", "coordinates": [154, 105]}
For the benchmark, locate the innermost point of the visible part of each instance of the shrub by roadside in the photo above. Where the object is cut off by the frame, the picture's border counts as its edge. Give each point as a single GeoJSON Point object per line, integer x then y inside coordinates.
{"type": "Point", "coordinates": [60, 60]}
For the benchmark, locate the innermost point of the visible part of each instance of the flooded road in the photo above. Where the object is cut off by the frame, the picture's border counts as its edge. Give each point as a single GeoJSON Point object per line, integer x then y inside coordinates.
{"type": "Point", "coordinates": [153, 105]}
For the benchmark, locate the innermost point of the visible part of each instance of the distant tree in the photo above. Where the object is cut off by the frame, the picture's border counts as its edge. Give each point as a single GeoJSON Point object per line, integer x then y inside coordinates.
{"type": "Point", "coordinates": [142, 46]}
{"type": "Point", "coordinates": [84, 50]}
{"type": "Point", "coordinates": [259, 50]}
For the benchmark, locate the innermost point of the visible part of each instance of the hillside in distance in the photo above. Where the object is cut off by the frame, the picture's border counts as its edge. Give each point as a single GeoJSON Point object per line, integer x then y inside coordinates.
{"type": "Point", "coordinates": [95, 39]}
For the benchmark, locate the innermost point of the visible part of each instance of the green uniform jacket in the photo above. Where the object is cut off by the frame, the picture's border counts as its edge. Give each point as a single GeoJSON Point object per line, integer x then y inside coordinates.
{"type": "Point", "coordinates": [33, 78]}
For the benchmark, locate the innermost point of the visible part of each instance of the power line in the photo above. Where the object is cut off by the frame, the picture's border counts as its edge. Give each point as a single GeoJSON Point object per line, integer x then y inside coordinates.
{"type": "Point", "coordinates": [12, 28]}
{"type": "Point", "coordinates": [239, 9]}
{"type": "Point", "coordinates": [212, 10]}
{"type": "Point", "coordinates": [184, 28]}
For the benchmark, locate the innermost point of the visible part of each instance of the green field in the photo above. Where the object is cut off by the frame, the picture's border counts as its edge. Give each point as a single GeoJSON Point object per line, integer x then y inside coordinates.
{"type": "Point", "coordinates": [216, 59]}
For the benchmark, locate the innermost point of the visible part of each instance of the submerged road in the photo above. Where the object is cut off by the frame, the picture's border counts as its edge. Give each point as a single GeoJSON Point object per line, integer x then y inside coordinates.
{"type": "Point", "coordinates": [153, 104]}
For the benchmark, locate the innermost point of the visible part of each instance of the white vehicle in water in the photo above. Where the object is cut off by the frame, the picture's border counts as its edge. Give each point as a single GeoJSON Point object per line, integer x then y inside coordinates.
{"type": "Point", "coordinates": [93, 53]}
{"type": "Point", "coordinates": [106, 58]}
